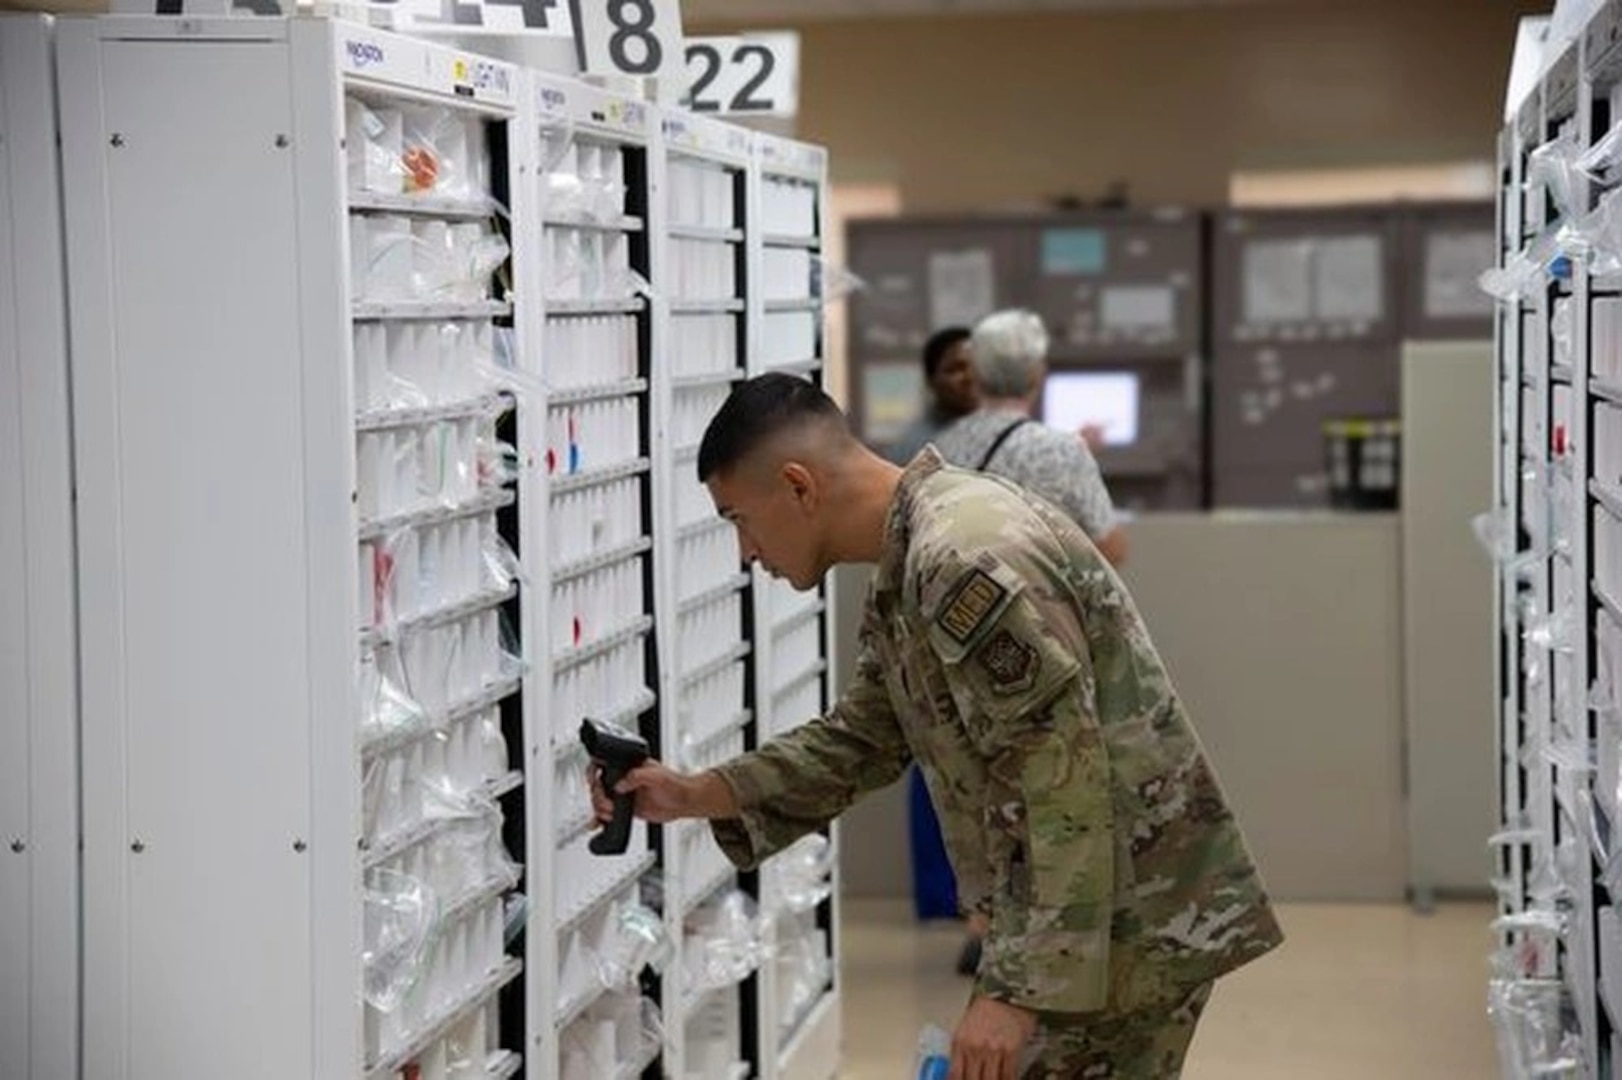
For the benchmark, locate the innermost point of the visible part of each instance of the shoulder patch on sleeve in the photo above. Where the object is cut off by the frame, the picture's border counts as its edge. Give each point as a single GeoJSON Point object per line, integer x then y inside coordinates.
{"type": "Point", "coordinates": [974, 600]}
{"type": "Point", "coordinates": [1011, 663]}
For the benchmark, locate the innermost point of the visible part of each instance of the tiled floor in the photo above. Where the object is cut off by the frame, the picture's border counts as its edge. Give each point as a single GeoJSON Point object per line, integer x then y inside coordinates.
{"type": "Point", "coordinates": [1359, 992]}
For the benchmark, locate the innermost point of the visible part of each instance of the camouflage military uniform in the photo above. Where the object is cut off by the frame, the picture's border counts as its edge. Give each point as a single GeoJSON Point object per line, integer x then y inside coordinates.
{"type": "Point", "coordinates": [1000, 650]}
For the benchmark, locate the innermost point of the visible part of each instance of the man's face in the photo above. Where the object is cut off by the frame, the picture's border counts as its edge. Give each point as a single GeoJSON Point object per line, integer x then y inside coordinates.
{"type": "Point", "coordinates": [775, 512]}
{"type": "Point", "coordinates": [954, 383]}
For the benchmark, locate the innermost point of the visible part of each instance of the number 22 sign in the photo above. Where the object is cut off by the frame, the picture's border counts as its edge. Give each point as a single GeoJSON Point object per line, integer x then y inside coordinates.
{"type": "Point", "coordinates": [757, 73]}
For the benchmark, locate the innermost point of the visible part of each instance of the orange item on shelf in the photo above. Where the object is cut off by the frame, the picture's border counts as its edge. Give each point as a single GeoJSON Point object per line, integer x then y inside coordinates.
{"type": "Point", "coordinates": [422, 168]}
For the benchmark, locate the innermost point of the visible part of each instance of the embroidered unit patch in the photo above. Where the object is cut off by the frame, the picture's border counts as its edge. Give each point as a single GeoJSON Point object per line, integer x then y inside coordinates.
{"type": "Point", "coordinates": [1009, 661]}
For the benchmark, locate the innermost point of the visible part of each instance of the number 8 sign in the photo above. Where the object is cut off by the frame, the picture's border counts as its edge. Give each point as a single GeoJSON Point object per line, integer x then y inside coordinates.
{"type": "Point", "coordinates": [757, 74]}
{"type": "Point", "coordinates": [641, 38]}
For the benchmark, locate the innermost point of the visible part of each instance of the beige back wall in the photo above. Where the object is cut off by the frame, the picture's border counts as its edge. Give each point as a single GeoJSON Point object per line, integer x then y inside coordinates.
{"type": "Point", "coordinates": [976, 111]}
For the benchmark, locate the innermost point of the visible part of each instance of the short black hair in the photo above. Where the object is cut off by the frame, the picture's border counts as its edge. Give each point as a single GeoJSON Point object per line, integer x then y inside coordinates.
{"type": "Point", "coordinates": [756, 409]}
{"type": "Point", "coordinates": [939, 344]}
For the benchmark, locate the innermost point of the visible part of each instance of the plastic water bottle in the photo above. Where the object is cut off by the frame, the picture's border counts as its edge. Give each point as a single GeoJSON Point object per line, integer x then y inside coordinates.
{"type": "Point", "coordinates": [934, 1054]}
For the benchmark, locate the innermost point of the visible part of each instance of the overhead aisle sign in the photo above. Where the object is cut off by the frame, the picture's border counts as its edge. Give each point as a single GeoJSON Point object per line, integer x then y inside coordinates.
{"type": "Point", "coordinates": [750, 74]}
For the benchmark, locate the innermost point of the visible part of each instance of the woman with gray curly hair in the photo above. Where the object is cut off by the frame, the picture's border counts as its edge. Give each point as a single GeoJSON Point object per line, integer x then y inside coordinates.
{"type": "Point", "coordinates": [1010, 350]}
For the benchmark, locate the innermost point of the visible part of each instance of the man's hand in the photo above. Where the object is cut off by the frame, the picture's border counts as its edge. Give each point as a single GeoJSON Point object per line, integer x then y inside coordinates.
{"type": "Point", "coordinates": [664, 795]}
{"type": "Point", "coordinates": [989, 1040]}
{"type": "Point", "coordinates": [1092, 437]}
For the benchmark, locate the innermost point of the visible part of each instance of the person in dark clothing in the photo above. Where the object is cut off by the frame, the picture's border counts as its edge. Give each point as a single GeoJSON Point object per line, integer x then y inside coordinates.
{"type": "Point", "coordinates": [953, 390]}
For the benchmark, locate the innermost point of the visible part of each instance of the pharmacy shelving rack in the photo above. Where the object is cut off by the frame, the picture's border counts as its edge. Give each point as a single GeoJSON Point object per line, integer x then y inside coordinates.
{"type": "Point", "coordinates": [700, 177]}
{"type": "Point", "coordinates": [798, 1013]}
{"type": "Point", "coordinates": [1558, 537]}
{"type": "Point", "coordinates": [597, 370]}
{"type": "Point", "coordinates": [306, 492]}
{"type": "Point", "coordinates": [389, 362]}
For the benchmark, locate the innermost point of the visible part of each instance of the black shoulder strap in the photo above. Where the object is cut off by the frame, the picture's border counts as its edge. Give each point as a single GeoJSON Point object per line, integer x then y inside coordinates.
{"type": "Point", "coordinates": [1001, 438]}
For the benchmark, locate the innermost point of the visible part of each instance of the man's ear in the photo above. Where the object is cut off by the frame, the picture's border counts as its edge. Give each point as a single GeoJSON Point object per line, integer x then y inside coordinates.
{"type": "Point", "coordinates": [802, 484]}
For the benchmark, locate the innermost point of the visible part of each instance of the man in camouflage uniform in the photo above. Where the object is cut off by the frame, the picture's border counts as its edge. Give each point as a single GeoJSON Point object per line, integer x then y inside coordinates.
{"type": "Point", "coordinates": [999, 651]}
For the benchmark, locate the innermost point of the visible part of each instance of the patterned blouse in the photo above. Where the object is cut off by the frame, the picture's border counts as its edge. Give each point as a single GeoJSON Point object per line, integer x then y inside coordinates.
{"type": "Point", "coordinates": [1055, 465]}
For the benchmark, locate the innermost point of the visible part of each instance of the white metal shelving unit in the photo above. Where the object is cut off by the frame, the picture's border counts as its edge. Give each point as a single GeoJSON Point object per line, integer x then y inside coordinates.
{"type": "Point", "coordinates": [699, 177]}
{"type": "Point", "coordinates": [39, 826]}
{"type": "Point", "coordinates": [593, 202]}
{"type": "Point", "coordinates": [798, 1014]}
{"type": "Point", "coordinates": [305, 656]}
{"type": "Point", "coordinates": [1559, 518]}
{"type": "Point", "coordinates": [390, 364]}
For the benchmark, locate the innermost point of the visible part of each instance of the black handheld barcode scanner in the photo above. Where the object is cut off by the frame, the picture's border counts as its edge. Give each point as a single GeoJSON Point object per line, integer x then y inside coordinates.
{"type": "Point", "coordinates": [617, 751]}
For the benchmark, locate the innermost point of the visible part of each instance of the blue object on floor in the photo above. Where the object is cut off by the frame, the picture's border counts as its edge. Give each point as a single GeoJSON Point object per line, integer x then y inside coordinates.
{"type": "Point", "coordinates": [934, 887]}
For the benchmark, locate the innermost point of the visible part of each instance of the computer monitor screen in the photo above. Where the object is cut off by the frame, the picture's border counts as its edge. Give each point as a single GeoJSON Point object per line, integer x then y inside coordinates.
{"type": "Point", "coordinates": [1072, 400]}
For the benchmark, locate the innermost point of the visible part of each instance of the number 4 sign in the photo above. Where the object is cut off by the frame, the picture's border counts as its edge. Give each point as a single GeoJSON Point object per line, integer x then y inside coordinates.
{"type": "Point", "coordinates": [629, 37]}
{"type": "Point", "coordinates": [757, 73]}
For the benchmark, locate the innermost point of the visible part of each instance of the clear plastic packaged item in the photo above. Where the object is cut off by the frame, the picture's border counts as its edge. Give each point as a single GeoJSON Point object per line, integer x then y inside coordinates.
{"type": "Point", "coordinates": [1595, 237]}
{"type": "Point", "coordinates": [564, 187]}
{"type": "Point", "coordinates": [493, 756]}
{"type": "Point", "coordinates": [383, 257]}
{"type": "Point", "coordinates": [1554, 167]}
{"type": "Point", "coordinates": [1548, 922]}
{"type": "Point", "coordinates": [615, 1032]}
{"type": "Point", "coordinates": [1563, 329]}
{"type": "Point", "coordinates": [724, 943]}
{"type": "Point", "coordinates": [374, 135]}
{"type": "Point", "coordinates": [650, 1023]}
{"type": "Point", "coordinates": [1551, 882]}
{"type": "Point", "coordinates": [394, 574]}
{"type": "Point", "coordinates": [443, 800]}
{"type": "Point", "coordinates": [498, 461]}
{"type": "Point", "coordinates": [476, 254]}
{"type": "Point", "coordinates": [387, 706]}
{"type": "Point", "coordinates": [502, 567]}
{"type": "Point", "coordinates": [465, 1049]}
{"type": "Point", "coordinates": [497, 368]}
{"type": "Point", "coordinates": [1527, 1017]}
{"type": "Point", "coordinates": [434, 270]}
{"type": "Point", "coordinates": [802, 969]}
{"type": "Point", "coordinates": [434, 153]}
{"type": "Point", "coordinates": [803, 873]}
{"type": "Point", "coordinates": [469, 854]}
{"type": "Point", "coordinates": [1598, 160]}
{"type": "Point", "coordinates": [1495, 531]}
{"type": "Point", "coordinates": [510, 662]}
{"type": "Point", "coordinates": [1569, 755]}
{"type": "Point", "coordinates": [1524, 272]}
{"type": "Point", "coordinates": [934, 1061]}
{"type": "Point", "coordinates": [403, 383]}
{"type": "Point", "coordinates": [1554, 632]}
{"type": "Point", "coordinates": [635, 938]}
{"type": "Point", "coordinates": [401, 916]}
{"type": "Point", "coordinates": [832, 280]}
{"type": "Point", "coordinates": [515, 917]}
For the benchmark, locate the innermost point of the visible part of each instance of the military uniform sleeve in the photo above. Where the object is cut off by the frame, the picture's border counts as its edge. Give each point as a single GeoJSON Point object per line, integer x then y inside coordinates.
{"type": "Point", "coordinates": [1021, 675]}
{"type": "Point", "coordinates": [800, 781]}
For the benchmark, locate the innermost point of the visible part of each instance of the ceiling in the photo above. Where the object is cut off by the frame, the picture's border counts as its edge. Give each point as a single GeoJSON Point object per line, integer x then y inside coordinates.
{"type": "Point", "coordinates": [762, 11]}
{"type": "Point", "coordinates": [747, 10]}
